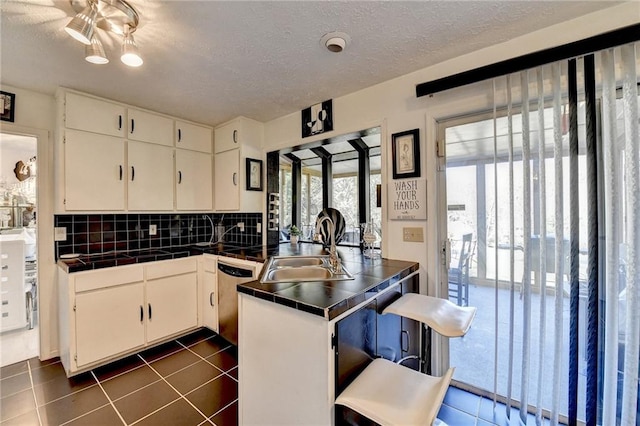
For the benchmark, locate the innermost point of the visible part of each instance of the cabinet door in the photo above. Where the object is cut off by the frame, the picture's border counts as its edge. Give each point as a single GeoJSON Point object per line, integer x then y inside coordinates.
{"type": "Point", "coordinates": [227, 137]}
{"type": "Point", "coordinates": [94, 115]}
{"type": "Point", "coordinates": [13, 308]}
{"type": "Point", "coordinates": [171, 305]}
{"type": "Point", "coordinates": [210, 307]}
{"type": "Point", "coordinates": [94, 171]}
{"type": "Point", "coordinates": [194, 187]}
{"type": "Point", "coordinates": [150, 184]}
{"type": "Point", "coordinates": [108, 322]}
{"type": "Point", "coordinates": [193, 137]}
{"type": "Point", "coordinates": [227, 180]}
{"type": "Point", "coordinates": [147, 127]}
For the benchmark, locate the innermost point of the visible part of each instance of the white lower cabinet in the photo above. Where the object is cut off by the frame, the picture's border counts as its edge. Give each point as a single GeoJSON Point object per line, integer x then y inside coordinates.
{"type": "Point", "coordinates": [171, 305]}
{"type": "Point", "coordinates": [112, 312]}
{"type": "Point", "coordinates": [210, 293]}
{"type": "Point", "coordinates": [109, 321]}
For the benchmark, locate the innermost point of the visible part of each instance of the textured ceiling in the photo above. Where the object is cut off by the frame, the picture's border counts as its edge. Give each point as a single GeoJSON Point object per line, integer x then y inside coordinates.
{"type": "Point", "coordinates": [210, 61]}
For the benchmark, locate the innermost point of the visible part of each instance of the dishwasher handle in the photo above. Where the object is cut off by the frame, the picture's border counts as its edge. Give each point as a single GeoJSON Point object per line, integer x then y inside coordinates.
{"type": "Point", "coordinates": [235, 271]}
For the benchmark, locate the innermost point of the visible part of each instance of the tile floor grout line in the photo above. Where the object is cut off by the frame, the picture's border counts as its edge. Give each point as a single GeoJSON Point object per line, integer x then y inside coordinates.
{"type": "Point", "coordinates": [176, 390]}
{"type": "Point", "coordinates": [136, 390]}
{"type": "Point", "coordinates": [224, 408]}
{"type": "Point", "coordinates": [205, 359]}
{"type": "Point", "coordinates": [108, 398]}
{"type": "Point", "coordinates": [82, 415]}
{"type": "Point", "coordinates": [123, 373]}
{"type": "Point", "coordinates": [33, 391]}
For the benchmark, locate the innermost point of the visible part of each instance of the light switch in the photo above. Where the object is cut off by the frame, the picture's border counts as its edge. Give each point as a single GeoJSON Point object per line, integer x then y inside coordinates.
{"type": "Point", "coordinates": [59, 233]}
{"type": "Point", "coordinates": [259, 228]}
{"type": "Point", "coordinates": [414, 235]}
{"type": "Point", "coordinates": [153, 229]}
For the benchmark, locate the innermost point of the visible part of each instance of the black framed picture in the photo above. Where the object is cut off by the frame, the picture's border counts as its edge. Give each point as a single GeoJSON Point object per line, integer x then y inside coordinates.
{"type": "Point", "coordinates": [405, 152]}
{"type": "Point", "coordinates": [254, 174]}
{"type": "Point", "coordinates": [317, 119]}
{"type": "Point", "coordinates": [7, 106]}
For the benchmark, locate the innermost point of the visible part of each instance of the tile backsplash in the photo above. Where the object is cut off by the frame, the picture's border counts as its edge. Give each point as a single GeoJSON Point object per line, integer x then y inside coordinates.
{"type": "Point", "coordinates": [100, 233]}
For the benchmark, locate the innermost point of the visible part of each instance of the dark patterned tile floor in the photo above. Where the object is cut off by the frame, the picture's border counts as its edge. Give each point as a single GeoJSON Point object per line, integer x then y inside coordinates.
{"type": "Point", "coordinates": [189, 381]}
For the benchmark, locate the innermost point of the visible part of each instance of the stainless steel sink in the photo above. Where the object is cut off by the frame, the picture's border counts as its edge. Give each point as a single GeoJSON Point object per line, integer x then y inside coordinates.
{"type": "Point", "coordinates": [281, 269]}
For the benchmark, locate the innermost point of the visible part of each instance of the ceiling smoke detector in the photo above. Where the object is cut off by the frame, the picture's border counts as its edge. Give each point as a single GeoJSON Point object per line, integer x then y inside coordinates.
{"type": "Point", "coordinates": [335, 41]}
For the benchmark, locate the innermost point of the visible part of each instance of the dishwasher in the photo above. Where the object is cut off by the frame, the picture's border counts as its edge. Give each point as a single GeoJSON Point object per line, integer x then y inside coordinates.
{"type": "Point", "coordinates": [230, 274]}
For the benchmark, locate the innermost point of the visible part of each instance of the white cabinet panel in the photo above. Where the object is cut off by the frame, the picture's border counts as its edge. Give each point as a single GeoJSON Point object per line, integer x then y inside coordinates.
{"type": "Point", "coordinates": [94, 115]}
{"type": "Point", "coordinates": [147, 127]}
{"type": "Point", "coordinates": [150, 184]}
{"type": "Point", "coordinates": [210, 292]}
{"type": "Point", "coordinates": [193, 180]}
{"type": "Point", "coordinates": [227, 137]}
{"type": "Point", "coordinates": [172, 305]}
{"type": "Point", "coordinates": [12, 294]}
{"type": "Point", "coordinates": [94, 167]}
{"type": "Point", "coordinates": [109, 321]}
{"type": "Point", "coordinates": [227, 180]}
{"type": "Point", "coordinates": [193, 137]}
{"type": "Point", "coordinates": [238, 132]}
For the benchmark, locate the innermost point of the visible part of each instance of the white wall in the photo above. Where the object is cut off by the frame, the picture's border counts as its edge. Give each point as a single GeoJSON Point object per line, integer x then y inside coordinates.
{"type": "Point", "coordinates": [35, 115]}
{"type": "Point", "coordinates": [394, 105]}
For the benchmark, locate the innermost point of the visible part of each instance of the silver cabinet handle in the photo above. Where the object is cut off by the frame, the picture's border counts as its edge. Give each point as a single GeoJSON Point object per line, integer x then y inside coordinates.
{"type": "Point", "coordinates": [149, 304]}
{"type": "Point", "coordinates": [211, 298]}
{"type": "Point", "coordinates": [235, 136]}
{"type": "Point", "coordinates": [235, 179]}
{"type": "Point", "coordinates": [179, 177]}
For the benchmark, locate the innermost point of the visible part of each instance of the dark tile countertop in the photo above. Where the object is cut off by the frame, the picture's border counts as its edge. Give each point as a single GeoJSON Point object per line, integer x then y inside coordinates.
{"type": "Point", "coordinates": [326, 299]}
{"type": "Point", "coordinates": [106, 260]}
{"type": "Point", "coordinates": [329, 299]}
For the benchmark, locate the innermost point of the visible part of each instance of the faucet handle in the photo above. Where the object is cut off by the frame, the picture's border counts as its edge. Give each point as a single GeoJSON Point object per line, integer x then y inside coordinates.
{"type": "Point", "coordinates": [317, 237]}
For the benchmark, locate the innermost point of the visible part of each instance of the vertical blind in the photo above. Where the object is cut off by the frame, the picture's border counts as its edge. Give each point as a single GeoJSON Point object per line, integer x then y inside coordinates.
{"type": "Point", "coordinates": [572, 129]}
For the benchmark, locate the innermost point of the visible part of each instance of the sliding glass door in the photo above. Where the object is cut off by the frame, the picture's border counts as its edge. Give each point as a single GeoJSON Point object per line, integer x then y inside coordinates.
{"type": "Point", "coordinates": [545, 187]}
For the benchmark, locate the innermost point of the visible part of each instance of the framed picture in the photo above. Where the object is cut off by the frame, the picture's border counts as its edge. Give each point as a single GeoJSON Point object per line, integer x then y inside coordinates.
{"type": "Point", "coordinates": [254, 174]}
{"type": "Point", "coordinates": [317, 119]}
{"type": "Point", "coordinates": [7, 106]}
{"type": "Point", "coordinates": [405, 152]}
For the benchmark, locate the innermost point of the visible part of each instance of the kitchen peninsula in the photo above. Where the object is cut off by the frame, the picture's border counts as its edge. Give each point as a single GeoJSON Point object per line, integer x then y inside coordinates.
{"type": "Point", "coordinates": [301, 343]}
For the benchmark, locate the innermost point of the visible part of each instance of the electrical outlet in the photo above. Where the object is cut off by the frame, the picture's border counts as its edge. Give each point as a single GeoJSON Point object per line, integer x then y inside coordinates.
{"type": "Point", "coordinates": [414, 235]}
{"type": "Point", "coordinates": [153, 229]}
{"type": "Point", "coordinates": [259, 228]}
{"type": "Point", "coordinates": [241, 226]}
{"type": "Point", "coordinates": [59, 233]}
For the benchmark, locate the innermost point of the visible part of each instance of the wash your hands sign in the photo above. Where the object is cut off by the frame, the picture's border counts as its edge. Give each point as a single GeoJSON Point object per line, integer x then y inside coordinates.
{"type": "Point", "coordinates": [407, 199]}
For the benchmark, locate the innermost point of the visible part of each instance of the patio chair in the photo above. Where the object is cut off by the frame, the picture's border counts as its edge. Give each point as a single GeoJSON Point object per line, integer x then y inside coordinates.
{"type": "Point", "coordinates": [459, 276]}
{"type": "Point", "coordinates": [391, 394]}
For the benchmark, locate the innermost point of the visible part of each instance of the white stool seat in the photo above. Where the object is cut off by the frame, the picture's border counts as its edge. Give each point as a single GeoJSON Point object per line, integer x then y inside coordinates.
{"type": "Point", "coordinates": [443, 316]}
{"type": "Point", "coordinates": [391, 394]}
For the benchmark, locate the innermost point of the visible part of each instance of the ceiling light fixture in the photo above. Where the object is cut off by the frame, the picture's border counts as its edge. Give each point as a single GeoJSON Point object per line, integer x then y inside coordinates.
{"type": "Point", "coordinates": [116, 16]}
{"type": "Point", "coordinates": [335, 41]}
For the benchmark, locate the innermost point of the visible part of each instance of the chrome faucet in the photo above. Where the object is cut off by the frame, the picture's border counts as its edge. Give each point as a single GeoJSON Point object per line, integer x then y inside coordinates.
{"type": "Point", "coordinates": [334, 260]}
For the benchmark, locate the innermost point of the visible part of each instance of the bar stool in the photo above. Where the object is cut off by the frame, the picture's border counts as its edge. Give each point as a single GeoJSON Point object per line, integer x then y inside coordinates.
{"type": "Point", "coordinates": [391, 394]}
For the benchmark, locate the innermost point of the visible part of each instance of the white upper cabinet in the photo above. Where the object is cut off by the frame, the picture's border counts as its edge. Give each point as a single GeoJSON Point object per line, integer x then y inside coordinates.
{"type": "Point", "coordinates": [94, 115]}
{"type": "Point", "coordinates": [227, 192]}
{"type": "Point", "coordinates": [194, 180]}
{"type": "Point", "coordinates": [118, 157]}
{"type": "Point", "coordinates": [238, 132]}
{"type": "Point", "coordinates": [95, 170]}
{"type": "Point", "coordinates": [150, 180]}
{"type": "Point", "coordinates": [148, 127]}
{"type": "Point", "coordinates": [193, 137]}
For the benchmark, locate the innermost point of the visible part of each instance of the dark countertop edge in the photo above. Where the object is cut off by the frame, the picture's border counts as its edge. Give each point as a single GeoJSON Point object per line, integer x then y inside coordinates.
{"type": "Point", "coordinates": [98, 260]}
{"type": "Point", "coordinates": [337, 308]}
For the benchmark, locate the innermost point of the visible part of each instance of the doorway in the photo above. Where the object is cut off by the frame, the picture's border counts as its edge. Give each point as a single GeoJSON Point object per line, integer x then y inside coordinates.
{"type": "Point", "coordinates": [19, 323]}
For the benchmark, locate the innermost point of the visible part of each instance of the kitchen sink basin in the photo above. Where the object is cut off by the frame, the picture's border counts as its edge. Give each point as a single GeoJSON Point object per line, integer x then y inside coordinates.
{"type": "Point", "coordinates": [281, 269]}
